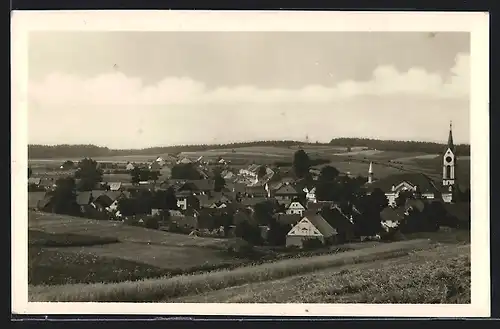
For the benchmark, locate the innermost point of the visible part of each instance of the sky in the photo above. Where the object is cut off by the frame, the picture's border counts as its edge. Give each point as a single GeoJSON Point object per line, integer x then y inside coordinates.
{"type": "Point", "coordinates": [145, 89]}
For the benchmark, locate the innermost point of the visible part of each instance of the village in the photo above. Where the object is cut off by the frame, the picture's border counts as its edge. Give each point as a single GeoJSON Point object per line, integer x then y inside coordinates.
{"type": "Point", "coordinates": [304, 207]}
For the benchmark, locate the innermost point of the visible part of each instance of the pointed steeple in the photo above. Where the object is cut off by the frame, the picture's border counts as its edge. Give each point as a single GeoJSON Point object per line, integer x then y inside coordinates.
{"type": "Point", "coordinates": [370, 173]}
{"type": "Point", "coordinates": [451, 146]}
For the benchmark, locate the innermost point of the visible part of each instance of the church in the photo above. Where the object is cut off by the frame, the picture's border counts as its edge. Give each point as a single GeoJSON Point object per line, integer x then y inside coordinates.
{"type": "Point", "coordinates": [420, 184]}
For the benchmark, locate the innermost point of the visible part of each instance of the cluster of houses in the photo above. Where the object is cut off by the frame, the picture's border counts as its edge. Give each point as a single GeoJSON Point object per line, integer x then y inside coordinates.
{"type": "Point", "coordinates": [197, 200]}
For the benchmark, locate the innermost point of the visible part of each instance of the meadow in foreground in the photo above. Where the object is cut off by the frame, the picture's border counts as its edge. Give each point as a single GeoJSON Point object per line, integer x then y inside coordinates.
{"type": "Point", "coordinates": [162, 289]}
{"type": "Point", "coordinates": [439, 275]}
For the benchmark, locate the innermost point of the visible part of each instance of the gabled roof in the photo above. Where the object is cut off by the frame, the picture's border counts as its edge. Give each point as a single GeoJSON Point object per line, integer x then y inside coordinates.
{"type": "Point", "coordinates": [115, 186]}
{"type": "Point", "coordinates": [287, 190]}
{"type": "Point", "coordinates": [256, 190]}
{"type": "Point", "coordinates": [286, 219]}
{"type": "Point", "coordinates": [83, 198]}
{"type": "Point", "coordinates": [104, 200]}
{"type": "Point", "coordinates": [114, 195]}
{"type": "Point", "coordinates": [296, 202]}
{"type": "Point", "coordinates": [425, 183]}
{"type": "Point", "coordinates": [253, 201]}
{"type": "Point", "coordinates": [321, 224]}
{"type": "Point", "coordinates": [392, 214]}
{"type": "Point", "coordinates": [204, 184]}
{"type": "Point", "coordinates": [317, 206]}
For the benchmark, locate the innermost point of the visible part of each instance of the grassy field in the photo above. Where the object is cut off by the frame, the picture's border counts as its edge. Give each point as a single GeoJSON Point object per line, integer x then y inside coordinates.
{"type": "Point", "coordinates": [165, 289]}
{"type": "Point", "coordinates": [62, 224]}
{"type": "Point", "coordinates": [440, 275]}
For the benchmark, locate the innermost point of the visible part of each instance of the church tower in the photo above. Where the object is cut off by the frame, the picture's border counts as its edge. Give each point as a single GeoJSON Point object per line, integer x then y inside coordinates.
{"type": "Point", "coordinates": [370, 173]}
{"type": "Point", "coordinates": [449, 161]}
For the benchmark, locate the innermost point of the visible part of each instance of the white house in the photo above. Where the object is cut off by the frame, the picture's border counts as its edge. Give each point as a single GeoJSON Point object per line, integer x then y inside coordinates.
{"type": "Point", "coordinates": [310, 227]}
{"type": "Point", "coordinates": [295, 208]}
{"type": "Point", "coordinates": [160, 161]}
{"type": "Point", "coordinates": [310, 194]}
{"type": "Point", "coordinates": [130, 166]}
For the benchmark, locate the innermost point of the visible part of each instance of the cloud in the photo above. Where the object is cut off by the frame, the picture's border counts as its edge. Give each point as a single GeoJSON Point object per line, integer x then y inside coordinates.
{"type": "Point", "coordinates": [119, 89]}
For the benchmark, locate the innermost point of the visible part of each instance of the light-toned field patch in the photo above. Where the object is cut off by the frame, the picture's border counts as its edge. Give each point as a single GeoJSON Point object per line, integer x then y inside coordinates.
{"type": "Point", "coordinates": [53, 223]}
{"type": "Point", "coordinates": [160, 256]}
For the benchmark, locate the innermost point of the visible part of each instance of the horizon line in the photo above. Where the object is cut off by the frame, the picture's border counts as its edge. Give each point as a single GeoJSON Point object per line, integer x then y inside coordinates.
{"type": "Point", "coordinates": [251, 141]}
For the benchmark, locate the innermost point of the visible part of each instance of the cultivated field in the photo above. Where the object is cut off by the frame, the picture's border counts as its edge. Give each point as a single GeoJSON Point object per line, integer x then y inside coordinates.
{"type": "Point", "coordinates": [355, 162]}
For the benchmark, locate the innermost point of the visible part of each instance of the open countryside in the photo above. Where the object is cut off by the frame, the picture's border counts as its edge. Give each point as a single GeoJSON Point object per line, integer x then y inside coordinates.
{"type": "Point", "coordinates": [277, 222]}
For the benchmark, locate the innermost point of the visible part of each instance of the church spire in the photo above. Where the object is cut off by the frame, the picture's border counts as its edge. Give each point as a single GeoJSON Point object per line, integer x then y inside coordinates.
{"type": "Point", "coordinates": [451, 146]}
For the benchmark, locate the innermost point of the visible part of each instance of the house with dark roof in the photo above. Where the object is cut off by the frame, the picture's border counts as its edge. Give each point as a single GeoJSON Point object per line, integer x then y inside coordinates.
{"type": "Point", "coordinates": [418, 184]}
{"type": "Point", "coordinates": [288, 192]}
{"type": "Point", "coordinates": [288, 219]}
{"type": "Point", "coordinates": [310, 227]}
{"type": "Point", "coordinates": [391, 218]}
{"type": "Point", "coordinates": [256, 191]}
{"type": "Point", "coordinates": [251, 202]}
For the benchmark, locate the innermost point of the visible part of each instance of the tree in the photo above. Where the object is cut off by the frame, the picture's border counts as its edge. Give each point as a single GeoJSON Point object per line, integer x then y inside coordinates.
{"type": "Point", "coordinates": [30, 172]}
{"type": "Point", "coordinates": [328, 174]}
{"type": "Point", "coordinates": [248, 232]}
{"type": "Point", "coordinates": [89, 174]}
{"type": "Point", "coordinates": [185, 171]}
{"type": "Point", "coordinates": [261, 172]}
{"type": "Point", "coordinates": [301, 164]}
{"type": "Point", "coordinates": [64, 197]}
{"type": "Point", "coordinates": [127, 206]}
{"type": "Point", "coordinates": [277, 233]}
{"type": "Point", "coordinates": [68, 164]}
{"type": "Point", "coordinates": [152, 223]}
{"type": "Point", "coordinates": [263, 212]}
{"type": "Point", "coordinates": [402, 197]}
{"type": "Point", "coordinates": [378, 200]}
{"type": "Point", "coordinates": [135, 175]}
{"type": "Point", "coordinates": [219, 182]}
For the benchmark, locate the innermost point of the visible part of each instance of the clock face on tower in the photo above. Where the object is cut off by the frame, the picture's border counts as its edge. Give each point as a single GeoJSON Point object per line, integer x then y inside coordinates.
{"type": "Point", "coordinates": [448, 159]}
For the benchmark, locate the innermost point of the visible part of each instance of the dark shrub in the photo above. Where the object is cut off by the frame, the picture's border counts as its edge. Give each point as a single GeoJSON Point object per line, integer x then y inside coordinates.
{"type": "Point", "coordinates": [312, 243]}
{"type": "Point", "coordinates": [152, 223]}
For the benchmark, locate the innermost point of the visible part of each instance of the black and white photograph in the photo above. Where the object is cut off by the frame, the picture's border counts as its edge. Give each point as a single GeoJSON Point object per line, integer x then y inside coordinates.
{"type": "Point", "coordinates": [252, 164]}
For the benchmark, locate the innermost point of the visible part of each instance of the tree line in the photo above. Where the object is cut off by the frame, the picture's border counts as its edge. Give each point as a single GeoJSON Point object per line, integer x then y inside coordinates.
{"type": "Point", "coordinates": [77, 151]}
{"type": "Point", "coordinates": [399, 146]}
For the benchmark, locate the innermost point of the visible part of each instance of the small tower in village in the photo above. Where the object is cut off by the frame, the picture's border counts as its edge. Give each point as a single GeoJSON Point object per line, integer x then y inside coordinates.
{"type": "Point", "coordinates": [370, 173]}
{"type": "Point", "coordinates": [449, 161]}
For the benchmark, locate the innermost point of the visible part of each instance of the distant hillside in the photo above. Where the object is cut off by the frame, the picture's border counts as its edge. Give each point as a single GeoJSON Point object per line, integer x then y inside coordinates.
{"type": "Point", "coordinates": [400, 146]}
{"type": "Point", "coordinates": [76, 151]}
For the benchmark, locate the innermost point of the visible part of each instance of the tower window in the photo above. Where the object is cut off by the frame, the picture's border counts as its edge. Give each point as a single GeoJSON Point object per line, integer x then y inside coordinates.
{"type": "Point", "coordinates": [448, 172]}
{"type": "Point", "coordinates": [448, 158]}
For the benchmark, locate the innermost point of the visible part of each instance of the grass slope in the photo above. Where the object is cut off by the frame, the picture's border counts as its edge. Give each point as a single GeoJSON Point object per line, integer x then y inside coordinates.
{"type": "Point", "coordinates": [61, 224]}
{"type": "Point", "coordinates": [167, 288]}
{"type": "Point", "coordinates": [440, 275]}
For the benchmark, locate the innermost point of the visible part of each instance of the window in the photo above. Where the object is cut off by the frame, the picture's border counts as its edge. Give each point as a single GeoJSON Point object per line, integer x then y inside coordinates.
{"type": "Point", "coordinates": [448, 172]}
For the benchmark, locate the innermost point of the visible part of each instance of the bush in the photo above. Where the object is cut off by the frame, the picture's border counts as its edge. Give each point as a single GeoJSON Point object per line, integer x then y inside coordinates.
{"type": "Point", "coordinates": [132, 221]}
{"type": "Point", "coordinates": [312, 243]}
{"type": "Point", "coordinates": [152, 223]}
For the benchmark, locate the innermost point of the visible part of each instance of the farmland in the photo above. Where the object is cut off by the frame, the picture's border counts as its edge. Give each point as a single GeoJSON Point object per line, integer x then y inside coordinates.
{"type": "Point", "coordinates": [216, 284]}
{"type": "Point", "coordinates": [355, 162]}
